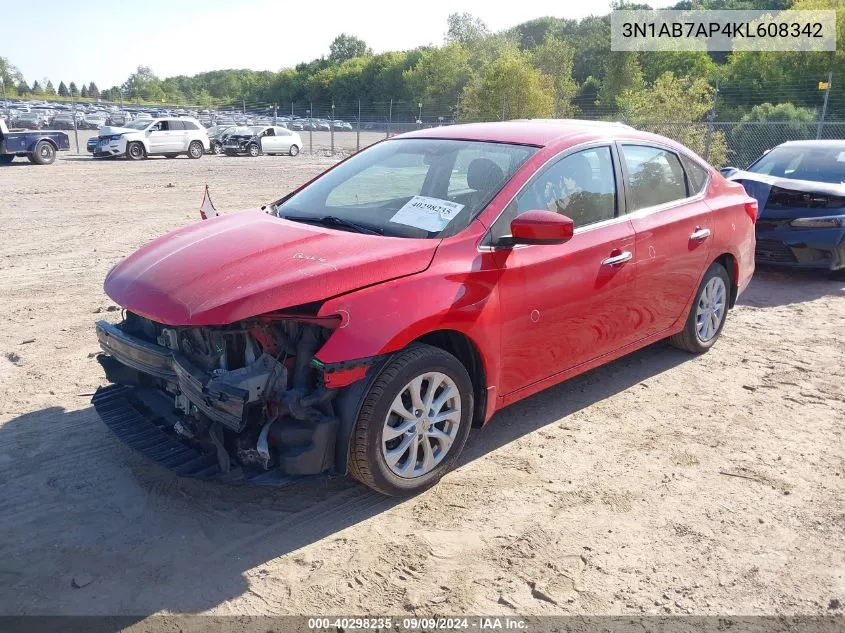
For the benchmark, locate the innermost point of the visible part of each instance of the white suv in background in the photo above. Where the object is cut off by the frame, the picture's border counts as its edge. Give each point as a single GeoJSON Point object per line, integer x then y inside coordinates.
{"type": "Point", "coordinates": [167, 136]}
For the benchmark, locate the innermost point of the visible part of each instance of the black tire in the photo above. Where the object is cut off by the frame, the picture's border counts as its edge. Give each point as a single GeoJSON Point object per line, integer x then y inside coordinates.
{"type": "Point", "coordinates": [689, 339]}
{"type": "Point", "coordinates": [44, 153]}
{"type": "Point", "coordinates": [294, 150]}
{"type": "Point", "coordinates": [135, 151]}
{"type": "Point", "coordinates": [253, 150]}
{"type": "Point", "coordinates": [195, 150]}
{"type": "Point", "coordinates": [228, 153]}
{"type": "Point", "coordinates": [366, 460]}
{"type": "Point", "coordinates": [5, 159]}
{"type": "Point", "coordinates": [216, 148]}
{"type": "Point", "coordinates": [837, 275]}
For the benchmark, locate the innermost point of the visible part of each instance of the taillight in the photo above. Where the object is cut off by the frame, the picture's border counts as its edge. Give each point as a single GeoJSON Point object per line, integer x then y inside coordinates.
{"type": "Point", "coordinates": [751, 210]}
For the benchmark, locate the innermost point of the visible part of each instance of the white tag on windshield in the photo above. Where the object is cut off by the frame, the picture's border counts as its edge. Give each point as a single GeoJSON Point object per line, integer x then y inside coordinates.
{"type": "Point", "coordinates": [428, 214]}
{"type": "Point", "coordinates": [841, 157]}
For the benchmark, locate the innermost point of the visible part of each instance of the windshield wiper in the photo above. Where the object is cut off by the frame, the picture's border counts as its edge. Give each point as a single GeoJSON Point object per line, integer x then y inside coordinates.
{"type": "Point", "coordinates": [331, 220]}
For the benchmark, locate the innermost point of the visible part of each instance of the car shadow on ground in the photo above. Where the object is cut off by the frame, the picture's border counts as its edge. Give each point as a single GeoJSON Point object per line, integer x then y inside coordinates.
{"type": "Point", "coordinates": [772, 287]}
{"type": "Point", "coordinates": [80, 508]}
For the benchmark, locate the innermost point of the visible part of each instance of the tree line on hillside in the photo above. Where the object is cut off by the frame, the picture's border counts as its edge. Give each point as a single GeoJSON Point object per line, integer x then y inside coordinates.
{"type": "Point", "coordinates": [548, 67]}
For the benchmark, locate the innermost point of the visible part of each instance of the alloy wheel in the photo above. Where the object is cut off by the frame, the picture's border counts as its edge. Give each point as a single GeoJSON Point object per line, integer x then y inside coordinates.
{"type": "Point", "coordinates": [421, 425]}
{"type": "Point", "coordinates": [710, 310]}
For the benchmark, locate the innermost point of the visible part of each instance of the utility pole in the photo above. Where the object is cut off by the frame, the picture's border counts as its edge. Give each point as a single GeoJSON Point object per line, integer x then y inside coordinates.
{"type": "Point", "coordinates": [824, 107]}
{"type": "Point", "coordinates": [390, 117]}
{"type": "Point", "coordinates": [331, 129]}
{"type": "Point", "coordinates": [358, 129]}
{"type": "Point", "coordinates": [311, 127]}
{"type": "Point", "coordinates": [419, 116]}
{"type": "Point", "coordinates": [275, 114]}
{"type": "Point", "coordinates": [503, 105]}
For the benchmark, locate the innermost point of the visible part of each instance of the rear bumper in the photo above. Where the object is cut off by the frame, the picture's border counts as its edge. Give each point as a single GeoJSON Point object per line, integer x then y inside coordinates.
{"type": "Point", "coordinates": [143, 420]}
{"type": "Point", "coordinates": [821, 249]}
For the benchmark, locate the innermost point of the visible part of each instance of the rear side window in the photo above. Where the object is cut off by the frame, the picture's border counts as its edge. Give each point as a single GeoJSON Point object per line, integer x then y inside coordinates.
{"type": "Point", "coordinates": [175, 126]}
{"type": "Point", "coordinates": [188, 125]}
{"type": "Point", "coordinates": [654, 176]}
{"type": "Point", "coordinates": [696, 175]}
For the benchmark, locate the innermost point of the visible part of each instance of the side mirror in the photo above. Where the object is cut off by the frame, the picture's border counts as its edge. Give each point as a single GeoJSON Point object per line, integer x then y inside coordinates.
{"type": "Point", "coordinates": [541, 227]}
{"type": "Point", "coordinates": [728, 171]}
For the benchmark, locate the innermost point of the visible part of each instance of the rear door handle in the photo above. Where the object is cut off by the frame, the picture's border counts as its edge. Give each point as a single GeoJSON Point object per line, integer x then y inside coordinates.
{"type": "Point", "coordinates": [615, 260]}
{"type": "Point", "coordinates": [700, 234]}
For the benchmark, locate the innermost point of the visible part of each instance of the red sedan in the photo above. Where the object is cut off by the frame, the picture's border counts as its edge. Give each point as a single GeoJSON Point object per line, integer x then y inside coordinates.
{"type": "Point", "coordinates": [363, 323]}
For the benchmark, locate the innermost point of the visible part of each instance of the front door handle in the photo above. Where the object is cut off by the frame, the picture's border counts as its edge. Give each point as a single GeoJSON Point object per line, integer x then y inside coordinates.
{"type": "Point", "coordinates": [699, 234]}
{"type": "Point", "coordinates": [615, 260]}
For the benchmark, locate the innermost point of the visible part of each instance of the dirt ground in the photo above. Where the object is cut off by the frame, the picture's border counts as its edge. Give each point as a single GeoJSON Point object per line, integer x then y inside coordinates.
{"type": "Point", "coordinates": [661, 483]}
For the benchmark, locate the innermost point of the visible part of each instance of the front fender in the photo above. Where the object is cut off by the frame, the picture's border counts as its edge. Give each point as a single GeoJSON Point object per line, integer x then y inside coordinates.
{"type": "Point", "coordinates": [387, 317]}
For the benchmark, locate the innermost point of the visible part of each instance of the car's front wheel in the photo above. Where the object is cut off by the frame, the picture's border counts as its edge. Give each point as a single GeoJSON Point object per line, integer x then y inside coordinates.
{"type": "Point", "coordinates": [216, 148]}
{"type": "Point", "coordinates": [135, 151]}
{"type": "Point", "coordinates": [413, 423]}
{"type": "Point", "coordinates": [253, 150]}
{"type": "Point", "coordinates": [708, 312]}
{"type": "Point", "coordinates": [294, 150]}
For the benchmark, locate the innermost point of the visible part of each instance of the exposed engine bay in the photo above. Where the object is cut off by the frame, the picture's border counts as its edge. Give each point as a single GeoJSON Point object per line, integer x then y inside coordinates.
{"type": "Point", "coordinates": [250, 393]}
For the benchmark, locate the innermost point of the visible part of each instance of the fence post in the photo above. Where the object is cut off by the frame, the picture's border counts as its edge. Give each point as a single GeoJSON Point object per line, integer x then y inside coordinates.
{"type": "Point", "coordinates": [275, 114]}
{"type": "Point", "coordinates": [824, 107]}
{"type": "Point", "coordinates": [75, 132]}
{"type": "Point", "coordinates": [331, 129]}
{"type": "Point", "coordinates": [710, 118]}
{"type": "Point", "coordinates": [389, 118]}
{"type": "Point", "coordinates": [311, 127]}
{"type": "Point", "coordinates": [358, 129]}
{"type": "Point", "coordinates": [503, 105]}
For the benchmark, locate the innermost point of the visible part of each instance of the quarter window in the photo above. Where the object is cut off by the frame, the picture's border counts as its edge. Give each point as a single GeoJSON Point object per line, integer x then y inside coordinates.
{"type": "Point", "coordinates": [189, 125]}
{"type": "Point", "coordinates": [655, 176]}
{"type": "Point", "coordinates": [696, 175]}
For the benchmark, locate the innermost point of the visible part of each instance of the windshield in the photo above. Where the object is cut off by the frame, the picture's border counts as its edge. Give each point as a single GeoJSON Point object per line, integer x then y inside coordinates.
{"type": "Point", "coordinates": [410, 187]}
{"type": "Point", "coordinates": [820, 163]}
{"type": "Point", "coordinates": [241, 131]}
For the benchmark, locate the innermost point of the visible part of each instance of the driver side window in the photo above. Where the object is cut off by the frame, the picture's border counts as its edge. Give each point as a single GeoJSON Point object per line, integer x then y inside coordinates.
{"type": "Point", "coordinates": [581, 186]}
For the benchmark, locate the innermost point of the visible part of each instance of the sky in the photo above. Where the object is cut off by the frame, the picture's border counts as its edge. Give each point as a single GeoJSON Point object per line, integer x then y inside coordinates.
{"type": "Point", "coordinates": [106, 40]}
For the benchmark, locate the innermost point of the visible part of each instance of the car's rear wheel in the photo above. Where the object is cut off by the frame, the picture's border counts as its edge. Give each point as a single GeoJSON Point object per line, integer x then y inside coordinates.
{"type": "Point", "coordinates": [195, 150]}
{"type": "Point", "coordinates": [708, 312]}
{"type": "Point", "coordinates": [44, 153]}
{"type": "Point", "coordinates": [135, 151]}
{"type": "Point", "coordinates": [5, 159]}
{"type": "Point", "coordinates": [294, 150]}
{"type": "Point", "coordinates": [253, 150]}
{"type": "Point", "coordinates": [413, 423]}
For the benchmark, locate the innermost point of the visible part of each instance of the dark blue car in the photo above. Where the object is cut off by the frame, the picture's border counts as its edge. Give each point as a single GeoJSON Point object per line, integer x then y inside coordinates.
{"type": "Point", "coordinates": [800, 189]}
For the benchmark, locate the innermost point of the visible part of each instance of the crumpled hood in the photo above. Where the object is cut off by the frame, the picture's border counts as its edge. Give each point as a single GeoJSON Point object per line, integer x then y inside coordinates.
{"type": "Point", "coordinates": [109, 130]}
{"type": "Point", "coordinates": [239, 265]}
{"type": "Point", "coordinates": [759, 187]}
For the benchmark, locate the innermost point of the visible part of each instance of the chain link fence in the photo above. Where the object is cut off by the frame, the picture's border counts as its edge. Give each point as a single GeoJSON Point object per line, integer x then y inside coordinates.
{"type": "Point", "coordinates": [346, 127]}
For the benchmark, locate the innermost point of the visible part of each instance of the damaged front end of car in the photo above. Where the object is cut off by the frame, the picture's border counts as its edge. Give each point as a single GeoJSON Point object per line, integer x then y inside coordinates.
{"type": "Point", "coordinates": [246, 401]}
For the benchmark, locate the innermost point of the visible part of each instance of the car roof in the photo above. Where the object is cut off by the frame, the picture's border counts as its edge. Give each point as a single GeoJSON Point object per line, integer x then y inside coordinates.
{"type": "Point", "coordinates": [540, 132]}
{"type": "Point", "coordinates": [815, 143]}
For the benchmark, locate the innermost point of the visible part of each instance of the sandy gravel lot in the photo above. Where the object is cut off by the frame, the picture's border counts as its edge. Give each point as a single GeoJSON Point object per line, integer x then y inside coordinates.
{"type": "Point", "coordinates": [662, 483]}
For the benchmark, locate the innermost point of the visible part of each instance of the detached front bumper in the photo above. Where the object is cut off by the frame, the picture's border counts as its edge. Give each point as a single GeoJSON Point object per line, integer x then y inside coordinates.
{"type": "Point", "coordinates": [143, 420]}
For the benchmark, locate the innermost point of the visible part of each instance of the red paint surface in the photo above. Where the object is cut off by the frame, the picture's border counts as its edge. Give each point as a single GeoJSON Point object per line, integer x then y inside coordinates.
{"type": "Point", "coordinates": [537, 314]}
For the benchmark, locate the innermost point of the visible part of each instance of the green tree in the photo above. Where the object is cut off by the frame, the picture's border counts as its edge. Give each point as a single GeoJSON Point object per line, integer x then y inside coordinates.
{"type": "Point", "coordinates": [676, 107]}
{"type": "Point", "coordinates": [22, 88]}
{"type": "Point", "coordinates": [508, 88]}
{"type": "Point", "coordinates": [464, 28]}
{"type": "Point", "coordinates": [49, 89]}
{"type": "Point", "coordinates": [554, 57]}
{"type": "Point", "coordinates": [36, 88]}
{"type": "Point", "coordinates": [72, 89]}
{"type": "Point", "coordinates": [63, 89]}
{"type": "Point", "coordinates": [439, 76]}
{"type": "Point", "coordinates": [84, 92]}
{"type": "Point", "coordinates": [345, 47]}
{"type": "Point", "coordinates": [93, 91]}
{"type": "Point", "coordinates": [10, 75]}
{"type": "Point", "coordinates": [768, 125]}
{"type": "Point", "coordinates": [621, 73]}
